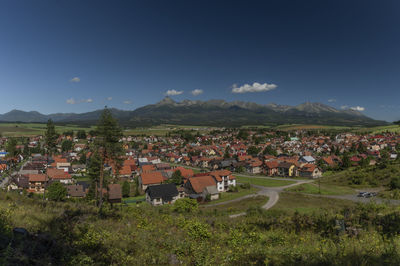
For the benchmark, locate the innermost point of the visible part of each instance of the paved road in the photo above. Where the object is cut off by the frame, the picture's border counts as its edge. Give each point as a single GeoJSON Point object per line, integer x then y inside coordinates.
{"type": "Point", "coordinates": [271, 192]}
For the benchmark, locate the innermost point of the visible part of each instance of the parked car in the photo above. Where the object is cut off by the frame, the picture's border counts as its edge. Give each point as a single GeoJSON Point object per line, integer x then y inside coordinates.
{"type": "Point", "coordinates": [362, 194]}
{"type": "Point", "coordinates": [367, 194]}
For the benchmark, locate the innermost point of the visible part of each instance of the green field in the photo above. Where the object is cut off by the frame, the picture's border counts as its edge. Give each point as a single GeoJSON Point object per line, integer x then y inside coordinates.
{"type": "Point", "coordinates": [34, 129]}
{"type": "Point", "coordinates": [266, 182]}
{"type": "Point", "coordinates": [292, 202]}
{"type": "Point", "coordinates": [390, 128]}
{"type": "Point", "coordinates": [325, 189]}
{"type": "Point", "coordinates": [161, 130]}
{"type": "Point", "coordinates": [356, 129]}
{"type": "Point", "coordinates": [235, 207]}
{"type": "Point", "coordinates": [290, 127]}
{"type": "Point", "coordinates": [226, 196]}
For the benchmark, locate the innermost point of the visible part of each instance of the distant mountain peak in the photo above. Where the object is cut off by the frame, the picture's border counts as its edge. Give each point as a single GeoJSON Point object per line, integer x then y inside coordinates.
{"type": "Point", "coordinates": [211, 112]}
{"type": "Point", "coordinates": [166, 101]}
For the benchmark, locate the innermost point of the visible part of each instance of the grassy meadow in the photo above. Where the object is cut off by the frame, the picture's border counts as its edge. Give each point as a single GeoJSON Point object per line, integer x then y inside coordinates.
{"type": "Point", "coordinates": [266, 182]}
{"type": "Point", "coordinates": [313, 188]}
{"type": "Point", "coordinates": [34, 129]}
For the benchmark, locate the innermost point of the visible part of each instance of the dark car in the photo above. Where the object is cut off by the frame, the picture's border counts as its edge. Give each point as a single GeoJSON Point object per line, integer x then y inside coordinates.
{"type": "Point", "coordinates": [362, 194]}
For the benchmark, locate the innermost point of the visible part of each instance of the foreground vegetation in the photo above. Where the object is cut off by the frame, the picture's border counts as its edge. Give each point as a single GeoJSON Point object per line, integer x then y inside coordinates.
{"type": "Point", "coordinates": [73, 233]}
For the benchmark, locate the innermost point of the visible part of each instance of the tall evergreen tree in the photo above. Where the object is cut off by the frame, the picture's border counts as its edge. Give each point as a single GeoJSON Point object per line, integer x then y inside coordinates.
{"type": "Point", "coordinates": [11, 147]}
{"type": "Point", "coordinates": [50, 137]}
{"type": "Point", "coordinates": [108, 145]}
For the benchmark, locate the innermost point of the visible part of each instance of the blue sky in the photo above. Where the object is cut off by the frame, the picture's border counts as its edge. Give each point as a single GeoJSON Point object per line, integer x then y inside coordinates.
{"type": "Point", "coordinates": [127, 54]}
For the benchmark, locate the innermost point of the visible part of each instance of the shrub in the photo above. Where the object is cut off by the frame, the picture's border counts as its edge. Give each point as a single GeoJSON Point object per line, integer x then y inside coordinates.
{"type": "Point", "coordinates": [198, 230]}
{"type": "Point", "coordinates": [56, 192]}
{"type": "Point", "coordinates": [126, 189]}
{"type": "Point", "coordinates": [186, 205]}
{"type": "Point", "coordinates": [395, 183]}
{"type": "Point", "coordinates": [245, 185]}
{"type": "Point", "coordinates": [233, 189]}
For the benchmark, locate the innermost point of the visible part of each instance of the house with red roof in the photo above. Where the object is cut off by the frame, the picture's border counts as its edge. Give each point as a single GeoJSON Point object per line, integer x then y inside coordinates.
{"type": "Point", "coordinates": [271, 167]}
{"type": "Point", "coordinates": [310, 171]}
{"type": "Point", "coordinates": [37, 183]}
{"type": "Point", "coordinates": [59, 175]}
{"type": "Point", "coordinates": [151, 178]}
{"type": "Point", "coordinates": [197, 187]}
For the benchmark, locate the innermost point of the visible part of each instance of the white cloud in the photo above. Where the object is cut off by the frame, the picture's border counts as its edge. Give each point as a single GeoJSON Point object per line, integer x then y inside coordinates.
{"type": "Point", "coordinates": [127, 102]}
{"type": "Point", "coordinates": [357, 108]}
{"type": "Point", "coordinates": [71, 101]}
{"type": "Point", "coordinates": [173, 92]}
{"type": "Point", "coordinates": [332, 100]}
{"type": "Point", "coordinates": [196, 92]}
{"type": "Point", "coordinates": [256, 87]}
{"type": "Point", "coordinates": [75, 79]}
{"type": "Point", "coordinates": [354, 108]}
{"type": "Point", "coordinates": [109, 98]}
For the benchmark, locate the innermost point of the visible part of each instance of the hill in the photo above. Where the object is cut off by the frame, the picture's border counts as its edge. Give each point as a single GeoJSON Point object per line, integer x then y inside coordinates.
{"type": "Point", "coordinates": [210, 113]}
{"type": "Point", "coordinates": [73, 233]}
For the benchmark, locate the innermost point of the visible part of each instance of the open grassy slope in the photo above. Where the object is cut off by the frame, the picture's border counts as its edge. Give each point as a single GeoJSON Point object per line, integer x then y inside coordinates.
{"type": "Point", "coordinates": [73, 233]}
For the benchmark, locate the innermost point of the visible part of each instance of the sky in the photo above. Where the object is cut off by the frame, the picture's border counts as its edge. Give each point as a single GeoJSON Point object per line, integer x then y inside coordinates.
{"type": "Point", "coordinates": [78, 56]}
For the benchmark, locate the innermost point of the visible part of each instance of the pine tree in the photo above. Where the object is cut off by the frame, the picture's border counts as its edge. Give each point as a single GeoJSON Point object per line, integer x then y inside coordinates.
{"type": "Point", "coordinates": [50, 137]}
{"type": "Point", "coordinates": [108, 145]}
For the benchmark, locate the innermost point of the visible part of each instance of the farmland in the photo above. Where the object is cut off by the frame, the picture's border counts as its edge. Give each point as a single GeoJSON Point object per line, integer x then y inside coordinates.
{"type": "Point", "coordinates": [33, 129]}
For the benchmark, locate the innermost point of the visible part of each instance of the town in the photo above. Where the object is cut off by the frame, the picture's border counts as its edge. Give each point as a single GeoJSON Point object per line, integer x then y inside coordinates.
{"type": "Point", "coordinates": [186, 163]}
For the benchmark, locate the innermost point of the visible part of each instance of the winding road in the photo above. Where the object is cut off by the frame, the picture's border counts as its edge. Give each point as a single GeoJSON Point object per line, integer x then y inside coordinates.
{"type": "Point", "coordinates": [271, 192]}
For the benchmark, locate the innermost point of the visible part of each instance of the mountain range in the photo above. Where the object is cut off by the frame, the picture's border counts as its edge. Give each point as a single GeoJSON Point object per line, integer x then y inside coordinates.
{"type": "Point", "coordinates": [209, 113]}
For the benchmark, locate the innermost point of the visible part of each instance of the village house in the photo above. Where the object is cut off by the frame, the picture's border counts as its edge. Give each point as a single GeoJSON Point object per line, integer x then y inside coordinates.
{"type": "Point", "coordinates": [211, 192]}
{"type": "Point", "coordinates": [114, 193]}
{"type": "Point", "coordinates": [253, 166]}
{"type": "Point", "coordinates": [76, 191]}
{"type": "Point", "coordinates": [287, 169]}
{"type": "Point", "coordinates": [271, 168]}
{"type": "Point", "coordinates": [162, 194]}
{"type": "Point", "coordinates": [18, 182]}
{"type": "Point", "coordinates": [195, 186]}
{"type": "Point", "coordinates": [310, 171]}
{"type": "Point", "coordinates": [223, 179]}
{"type": "Point", "coordinates": [59, 175]}
{"type": "Point", "coordinates": [37, 183]}
{"type": "Point", "coordinates": [150, 179]}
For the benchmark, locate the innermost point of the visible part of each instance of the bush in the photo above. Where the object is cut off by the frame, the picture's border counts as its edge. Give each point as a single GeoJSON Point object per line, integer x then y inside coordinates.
{"type": "Point", "coordinates": [126, 189]}
{"type": "Point", "coordinates": [394, 183]}
{"type": "Point", "coordinates": [233, 189]}
{"type": "Point", "coordinates": [56, 192]}
{"type": "Point", "coordinates": [186, 205]}
{"type": "Point", "coordinates": [198, 230]}
{"type": "Point", "coordinates": [245, 185]}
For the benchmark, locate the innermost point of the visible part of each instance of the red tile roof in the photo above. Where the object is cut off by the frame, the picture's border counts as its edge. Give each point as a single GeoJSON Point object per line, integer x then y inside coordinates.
{"type": "Point", "coordinates": [55, 173]}
{"type": "Point", "coordinates": [37, 177]}
{"type": "Point", "coordinates": [201, 182]}
{"type": "Point", "coordinates": [149, 178]}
